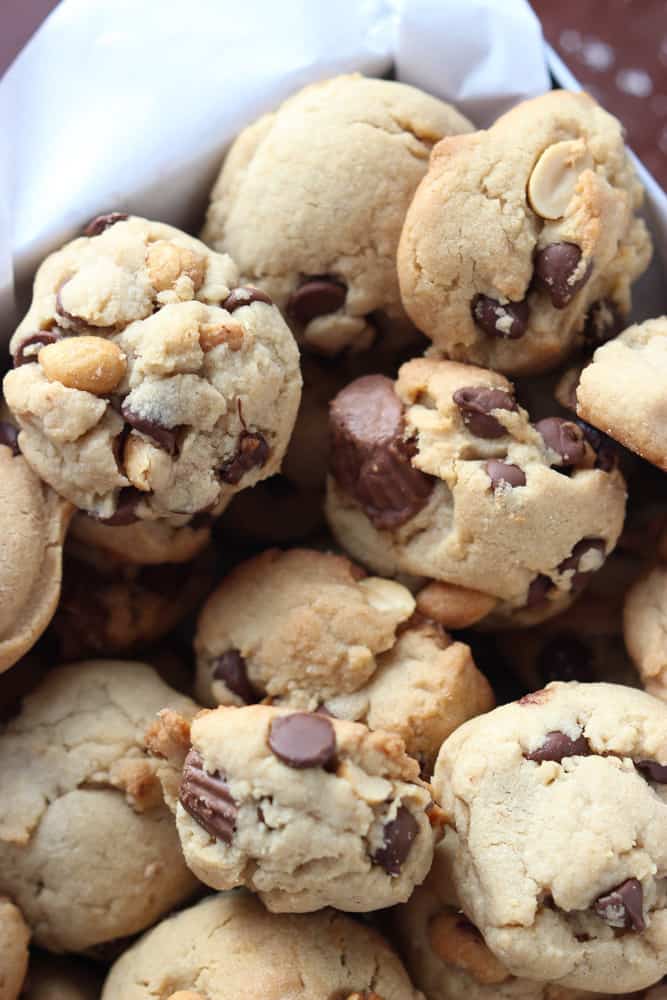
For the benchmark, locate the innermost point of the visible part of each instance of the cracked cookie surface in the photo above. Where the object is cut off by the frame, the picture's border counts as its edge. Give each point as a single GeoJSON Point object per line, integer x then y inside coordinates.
{"type": "Point", "coordinates": [311, 199]}
{"type": "Point", "coordinates": [559, 809]}
{"type": "Point", "coordinates": [522, 242]}
{"type": "Point", "coordinates": [145, 385]}
{"type": "Point", "coordinates": [88, 850]}
{"type": "Point", "coordinates": [305, 810]}
{"type": "Point", "coordinates": [230, 946]}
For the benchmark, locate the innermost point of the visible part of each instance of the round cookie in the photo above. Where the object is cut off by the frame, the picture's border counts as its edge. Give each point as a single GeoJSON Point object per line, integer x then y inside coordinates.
{"type": "Point", "coordinates": [311, 199]}
{"type": "Point", "coordinates": [14, 939]}
{"type": "Point", "coordinates": [522, 241]}
{"type": "Point", "coordinates": [56, 978]}
{"type": "Point", "coordinates": [645, 629]}
{"type": "Point", "coordinates": [559, 809]}
{"type": "Point", "coordinates": [308, 628]}
{"type": "Point", "coordinates": [33, 523]}
{"type": "Point", "coordinates": [144, 543]}
{"type": "Point", "coordinates": [305, 810]}
{"type": "Point", "coordinates": [146, 385]}
{"type": "Point", "coordinates": [442, 475]}
{"type": "Point", "coordinates": [88, 848]}
{"type": "Point", "coordinates": [228, 947]}
{"type": "Point", "coordinates": [622, 391]}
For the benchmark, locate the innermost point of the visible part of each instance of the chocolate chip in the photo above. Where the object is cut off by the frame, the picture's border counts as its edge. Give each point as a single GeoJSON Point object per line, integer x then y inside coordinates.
{"type": "Point", "coordinates": [605, 448]}
{"type": "Point", "coordinates": [318, 295]}
{"type": "Point", "coordinates": [603, 322]}
{"type": "Point", "coordinates": [508, 320]}
{"type": "Point", "coordinates": [538, 590]}
{"type": "Point", "coordinates": [9, 436]}
{"type": "Point", "coordinates": [252, 451]}
{"type": "Point", "coordinates": [231, 668]}
{"type": "Point", "coordinates": [398, 835]}
{"type": "Point", "coordinates": [164, 437]}
{"type": "Point", "coordinates": [564, 437]}
{"type": "Point", "coordinates": [102, 222]}
{"type": "Point", "coordinates": [573, 560]}
{"type": "Point", "coordinates": [564, 658]}
{"type": "Point", "coordinates": [245, 295]}
{"type": "Point", "coordinates": [503, 474]}
{"type": "Point", "coordinates": [38, 340]}
{"type": "Point", "coordinates": [557, 745]}
{"type": "Point", "coordinates": [125, 512]}
{"type": "Point", "coordinates": [303, 739]}
{"type": "Point", "coordinates": [476, 402]}
{"type": "Point", "coordinates": [207, 799]}
{"type": "Point", "coordinates": [555, 267]}
{"type": "Point", "coordinates": [370, 458]}
{"type": "Point", "coordinates": [623, 906]}
{"type": "Point", "coordinates": [653, 771]}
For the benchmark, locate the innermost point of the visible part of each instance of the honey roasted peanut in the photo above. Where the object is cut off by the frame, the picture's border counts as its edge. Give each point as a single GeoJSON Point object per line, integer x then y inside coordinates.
{"type": "Point", "coordinates": [91, 364]}
{"type": "Point", "coordinates": [459, 943]}
{"type": "Point", "coordinates": [555, 176]}
{"type": "Point", "coordinates": [168, 261]}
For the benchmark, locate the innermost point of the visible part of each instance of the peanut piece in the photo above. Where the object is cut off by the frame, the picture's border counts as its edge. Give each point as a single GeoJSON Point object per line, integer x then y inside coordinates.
{"type": "Point", "coordinates": [168, 261]}
{"type": "Point", "coordinates": [458, 943]}
{"type": "Point", "coordinates": [555, 176]}
{"type": "Point", "coordinates": [91, 364]}
{"type": "Point", "coordinates": [388, 596]}
{"type": "Point", "coordinates": [147, 467]}
{"type": "Point", "coordinates": [453, 606]}
{"type": "Point", "coordinates": [230, 332]}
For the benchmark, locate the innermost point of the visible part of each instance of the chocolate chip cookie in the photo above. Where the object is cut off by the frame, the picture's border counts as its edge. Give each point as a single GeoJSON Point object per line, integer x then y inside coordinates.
{"type": "Point", "coordinates": [559, 809]}
{"type": "Point", "coordinates": [146, 385]}
{"type": "Point", "coordinates": [144, 543]}
{"type": "Point", "coordinates": [14, 938]}
{"type": "Point", "coordinates": [305, 810]}
{"type": "Point", "coordinates": [88, 849]}
{"type": "Point", "coordinates": [522, 241]}
{"type": "Point", "coordinates": [622, 391]}
{"type": "Point", "coordinates": [309, 629]}
{"type": "Point", "coordinates": [311, 199]}
{"type": "Point", "coordinates": [442, 475]}
{"type": "Point", "coordinates": [230, 946]}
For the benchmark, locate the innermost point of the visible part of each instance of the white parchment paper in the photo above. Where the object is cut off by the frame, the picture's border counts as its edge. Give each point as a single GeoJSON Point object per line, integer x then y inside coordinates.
{"type": "Point", "coordinates": [130, 104]}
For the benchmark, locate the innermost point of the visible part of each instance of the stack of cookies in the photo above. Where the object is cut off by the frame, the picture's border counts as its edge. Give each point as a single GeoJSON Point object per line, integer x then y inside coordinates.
{"type": "Point", "coordinates": [289, 509]}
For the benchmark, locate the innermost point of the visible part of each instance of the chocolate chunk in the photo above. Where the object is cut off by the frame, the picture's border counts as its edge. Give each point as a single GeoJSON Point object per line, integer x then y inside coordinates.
{"type": "Point", "coordinates": [245, 295]}
{"type": "Point", "coordinates": [9, 436]}
{"type": "Point", "coordinates": [370, 458]}
{"type": "Point", "coordinates": [603, 322]}
{"type": "Point", "coordinates": [164, 437]}
{"type": "Point", "coordinates": [316, 296]}
{"type": "Point", "coordinates": [398, 837]}
{"type": "Point", "coordinates": [653, 771]}
{"type": "Point", "coordinates": [578, 552]}
{"type": "Point", "coordinates": [538, 590]}
{"type": "Point", "coordinates": [25, 357]}
{"type": "Point", "coordinates": [252, 451]}
{"type": "Point", "coordinates": [303, 739]}
{"type": "Point", "coordinates": [564, 437]}
{"type": "Point", "coordinates": [508, 320]}
{"type": "Point", "coordinates": [125, 512]}
{"type": "Point", "coordinates": [565, 658]}
{"type": "Point", "coordinates": [558, 745]}
{"type": "Point", "coordinates": [476, 402]}
{"type": "Point", "coordinates": [555, 267]}
{"type": "Point", "coordinates": [504, 474]}
{"type": "Point", "coordinates": [231, 668]}
{"type": "Point", "coordinates": [102, 222]}
{"type": "Point", "coordinates": [207, 798]}
{"type": "Point", "coordinates": [605, 448]}
{"type": "Point", "coordinates": [623, 906]}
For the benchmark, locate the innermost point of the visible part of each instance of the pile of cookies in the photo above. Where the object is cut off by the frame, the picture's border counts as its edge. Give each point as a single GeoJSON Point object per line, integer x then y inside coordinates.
{"type": "Point", "coordinates": [288, 510]}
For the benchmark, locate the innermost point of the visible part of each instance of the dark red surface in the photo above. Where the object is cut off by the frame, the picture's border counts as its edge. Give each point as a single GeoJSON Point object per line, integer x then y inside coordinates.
{"type": "Point", "coordinates": [617, 49]}
{"type": "Point", "coordinates": [18, 20]}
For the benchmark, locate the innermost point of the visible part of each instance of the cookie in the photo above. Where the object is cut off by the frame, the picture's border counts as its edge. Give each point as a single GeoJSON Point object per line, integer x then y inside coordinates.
{"type": "Point", "coordinates": [144, 543]}
{"type": "Point", "coordinates": [522, 241]}
{"type": "Point", "coordinates": [229, 947]}
{"type": "Point", "coordinates": [307, 628]}
{"type": "Point", "coordinates": [56, 978]}
{"type": "Point", "coordinates": [88, 849]}
{"type": "Point", "coordinates": [33, 523]}
{"type": "Point", "coordinates": [622, 391]}
{"type": "Point", "coordinates": [14, 938]}
{"type": "Point", "coordinates": [442, 475]}
{"type": "Point", "coordinates": [305, 810]}
{"type": "Point", "coordinates": [645, 629]}
{"type": "Point", "coordinates": [311, 199]}
{"type": "Point", "coordinates": [446, 955]}
{"type": "Point", "coordinates": [146, 385]}
{"type": "Point", "coordinates": [559, 810]}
